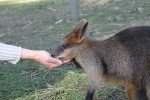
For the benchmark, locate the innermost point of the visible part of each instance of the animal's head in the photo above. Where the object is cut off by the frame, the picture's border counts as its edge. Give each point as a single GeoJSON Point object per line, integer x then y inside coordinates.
{"type": "Point", "coordinates": [69, 46]}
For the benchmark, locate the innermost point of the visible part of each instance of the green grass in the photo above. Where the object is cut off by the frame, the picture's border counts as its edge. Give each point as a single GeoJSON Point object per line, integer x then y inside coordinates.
{"type": "Point", "coordinates": [32, 24]}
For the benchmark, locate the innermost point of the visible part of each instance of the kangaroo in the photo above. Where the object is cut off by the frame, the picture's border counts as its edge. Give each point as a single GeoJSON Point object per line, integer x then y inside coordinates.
{"type": "Point", "coordinates": [123, 58]}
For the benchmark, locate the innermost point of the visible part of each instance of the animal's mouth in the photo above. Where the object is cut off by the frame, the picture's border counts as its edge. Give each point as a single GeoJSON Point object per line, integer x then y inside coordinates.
{"type": "Point", "coordinates": [63, 59]}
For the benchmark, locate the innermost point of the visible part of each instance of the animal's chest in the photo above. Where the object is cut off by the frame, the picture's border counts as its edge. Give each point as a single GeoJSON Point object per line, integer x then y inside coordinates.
{"type": "Point", "coordinates": [92, 70]}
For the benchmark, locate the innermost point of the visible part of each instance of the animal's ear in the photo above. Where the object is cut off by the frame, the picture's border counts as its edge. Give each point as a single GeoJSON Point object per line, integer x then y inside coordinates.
{"type": "Point", "coordinates": [80, 29]}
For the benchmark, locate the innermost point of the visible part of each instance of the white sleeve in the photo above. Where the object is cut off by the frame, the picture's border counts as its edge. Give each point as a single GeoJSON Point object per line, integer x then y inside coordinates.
{"type": "Point", "coordinates": [10, 53]}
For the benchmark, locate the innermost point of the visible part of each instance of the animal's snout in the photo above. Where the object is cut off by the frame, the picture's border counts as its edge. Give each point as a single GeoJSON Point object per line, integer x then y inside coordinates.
{"type": "Point", "coordinates": [53, 55]}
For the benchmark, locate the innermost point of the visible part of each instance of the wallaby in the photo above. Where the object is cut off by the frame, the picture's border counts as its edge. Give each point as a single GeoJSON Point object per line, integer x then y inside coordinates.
{"type": "Point", "coordinates": [123, 58]}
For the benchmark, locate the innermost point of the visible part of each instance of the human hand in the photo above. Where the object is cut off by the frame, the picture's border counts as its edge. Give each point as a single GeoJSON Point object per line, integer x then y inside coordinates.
{"type": "Point", "coordinates": [45, 59]}
{"type": "Point", "coordinates": [42, 57]}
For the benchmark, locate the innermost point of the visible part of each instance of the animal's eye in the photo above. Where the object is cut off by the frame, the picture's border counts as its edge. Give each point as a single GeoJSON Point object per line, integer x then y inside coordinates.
{"type": "Point", "coordinates": [65, 46]}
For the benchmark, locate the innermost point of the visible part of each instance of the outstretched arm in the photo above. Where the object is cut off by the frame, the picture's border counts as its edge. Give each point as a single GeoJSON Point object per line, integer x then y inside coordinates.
{"type": "Point", "coordinates": [42, 57]}
{"type": "Point", "coordinates": [13, 54]}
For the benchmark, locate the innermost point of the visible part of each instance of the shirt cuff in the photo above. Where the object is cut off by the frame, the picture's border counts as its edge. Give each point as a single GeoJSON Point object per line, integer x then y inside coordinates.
{"type": "Point", "coordinates": [10, 53]}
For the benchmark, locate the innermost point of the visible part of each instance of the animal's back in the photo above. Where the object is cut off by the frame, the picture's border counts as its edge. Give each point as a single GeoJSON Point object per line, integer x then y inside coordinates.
{"type": "Point", "coordinates": [134, 34]}
{"type": "Point", "coordinates": [135, 39]}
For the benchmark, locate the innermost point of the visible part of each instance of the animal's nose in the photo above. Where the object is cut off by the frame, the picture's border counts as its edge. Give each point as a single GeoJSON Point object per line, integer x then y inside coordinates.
{"type": "Point", "coordinates": [53, 55]}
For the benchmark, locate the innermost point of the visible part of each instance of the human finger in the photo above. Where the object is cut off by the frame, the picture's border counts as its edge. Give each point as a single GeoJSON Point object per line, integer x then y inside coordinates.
{"type": "Point", "coordinates": [66, 61]}
{"type": "Point", "coordinates": [55, 61]}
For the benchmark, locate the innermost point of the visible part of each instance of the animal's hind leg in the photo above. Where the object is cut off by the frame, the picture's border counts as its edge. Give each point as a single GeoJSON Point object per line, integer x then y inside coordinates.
{"type": "Point", "coordinates": [141, 94]}
{"type": "Point", "coordinates": [130, 91]}
{"type": "Point", "coordinates": [134, 93]}
{"type": "Point", "coordinates": [148, 92]}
